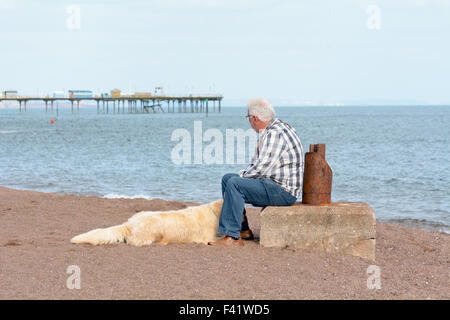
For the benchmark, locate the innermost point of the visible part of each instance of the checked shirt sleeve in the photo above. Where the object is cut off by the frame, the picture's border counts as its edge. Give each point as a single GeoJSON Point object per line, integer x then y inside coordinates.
{"type": "Point", "coordinates": [271, 148]}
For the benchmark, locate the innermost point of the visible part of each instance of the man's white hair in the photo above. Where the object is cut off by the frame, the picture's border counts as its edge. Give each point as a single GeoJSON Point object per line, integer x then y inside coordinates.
{"type": "Point", "coordinates": [262, 108]}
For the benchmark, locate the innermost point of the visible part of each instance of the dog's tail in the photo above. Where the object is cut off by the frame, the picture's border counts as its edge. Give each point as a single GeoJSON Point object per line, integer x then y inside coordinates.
{"type": "Point", "coordinates": [115, 234]}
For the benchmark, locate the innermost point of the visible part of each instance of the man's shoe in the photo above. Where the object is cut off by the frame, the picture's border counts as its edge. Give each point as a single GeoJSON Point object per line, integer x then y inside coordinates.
{"type": "Point", "coordinates": [247, 235]}
{"type": "Point", "coordinates": [227, 242]}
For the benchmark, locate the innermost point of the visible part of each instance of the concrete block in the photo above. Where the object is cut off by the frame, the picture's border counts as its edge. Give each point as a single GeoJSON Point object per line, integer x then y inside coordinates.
{"type": "Point", "coordinates": [338, 227]}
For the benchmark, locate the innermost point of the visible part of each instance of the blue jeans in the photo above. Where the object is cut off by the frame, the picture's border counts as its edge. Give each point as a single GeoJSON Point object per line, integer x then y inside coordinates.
{"type": "Point", "coordinates": [237, 191]}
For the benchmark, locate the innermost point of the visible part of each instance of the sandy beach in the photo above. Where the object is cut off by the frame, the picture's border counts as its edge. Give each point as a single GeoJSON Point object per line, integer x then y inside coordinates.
{"type": "Point", "coordinates": [35, 253]}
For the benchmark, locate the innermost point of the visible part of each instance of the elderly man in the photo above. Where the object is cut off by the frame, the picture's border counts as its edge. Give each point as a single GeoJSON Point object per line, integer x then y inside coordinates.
{"type": "Point", "coordinates": [273, 178]}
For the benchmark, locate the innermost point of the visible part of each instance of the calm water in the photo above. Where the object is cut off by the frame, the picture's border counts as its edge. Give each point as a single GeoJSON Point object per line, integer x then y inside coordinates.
{"type": "Point", "coordinates": [394, 158]}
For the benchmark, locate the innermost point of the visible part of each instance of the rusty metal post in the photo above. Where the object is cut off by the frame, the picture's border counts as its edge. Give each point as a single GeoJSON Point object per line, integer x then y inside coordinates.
{"type": "Point", "coordinates": [317, 177]}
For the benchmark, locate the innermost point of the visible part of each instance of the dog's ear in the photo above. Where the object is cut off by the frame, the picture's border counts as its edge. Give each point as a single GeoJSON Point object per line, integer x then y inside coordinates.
{"type": "Point", "coordinates": [216, 206]}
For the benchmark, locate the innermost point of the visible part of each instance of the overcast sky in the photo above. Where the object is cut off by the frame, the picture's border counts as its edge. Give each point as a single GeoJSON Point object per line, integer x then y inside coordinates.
{"type": "Point", "coordinates": [293, 52]}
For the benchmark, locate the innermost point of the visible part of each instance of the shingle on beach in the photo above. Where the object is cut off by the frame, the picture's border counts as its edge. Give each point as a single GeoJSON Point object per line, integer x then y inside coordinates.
{"type": "Point", "coordinates": [35, 253]}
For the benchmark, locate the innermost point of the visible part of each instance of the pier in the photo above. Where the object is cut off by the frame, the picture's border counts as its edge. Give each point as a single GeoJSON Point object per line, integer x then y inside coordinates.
{"type": "Point", "coordinates": [131, 103]}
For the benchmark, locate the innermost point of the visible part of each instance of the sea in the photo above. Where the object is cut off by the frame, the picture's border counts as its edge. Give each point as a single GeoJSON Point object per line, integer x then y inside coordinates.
{"type": "Point", "coordinates": [396, 158]}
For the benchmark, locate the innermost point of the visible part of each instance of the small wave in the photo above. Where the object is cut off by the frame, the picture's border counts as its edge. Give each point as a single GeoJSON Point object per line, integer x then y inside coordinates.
{"type": "Point", "coordinates": [8, 131]}
{"type": "Point", "coordinates": [421, 224]}
{"type": "Point", "coordinates": [391, 181]}
{"type": "Point", "coordinates": [121, 196]}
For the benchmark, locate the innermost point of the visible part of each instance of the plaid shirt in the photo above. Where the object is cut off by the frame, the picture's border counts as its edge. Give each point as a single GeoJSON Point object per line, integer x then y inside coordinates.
{"type": "Point", "coordinates": [279, 157]}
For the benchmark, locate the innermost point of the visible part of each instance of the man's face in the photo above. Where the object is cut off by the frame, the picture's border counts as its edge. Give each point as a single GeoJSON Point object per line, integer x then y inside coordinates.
{"type": "Point", "coordinates": [253, 121]}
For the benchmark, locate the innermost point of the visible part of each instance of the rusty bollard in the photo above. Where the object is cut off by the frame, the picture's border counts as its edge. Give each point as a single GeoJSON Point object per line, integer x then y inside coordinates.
{"type": "Point", "coordinates": [317, 176]}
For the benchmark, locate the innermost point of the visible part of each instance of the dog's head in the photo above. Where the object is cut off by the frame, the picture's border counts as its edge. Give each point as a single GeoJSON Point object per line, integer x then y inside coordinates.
{"type": "Point", "coordinates": [216, 207]}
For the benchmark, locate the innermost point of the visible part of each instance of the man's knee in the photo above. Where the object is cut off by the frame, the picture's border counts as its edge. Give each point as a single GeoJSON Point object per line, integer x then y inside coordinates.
{"type": "Point", "coordinates": [234, 181]}
{"type": "Point", "coordinates": [228, 176]}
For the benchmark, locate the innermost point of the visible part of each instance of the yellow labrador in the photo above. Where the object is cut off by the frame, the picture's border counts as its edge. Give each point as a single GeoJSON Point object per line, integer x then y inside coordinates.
{"type": "Point", "coordinates": [190, 225]}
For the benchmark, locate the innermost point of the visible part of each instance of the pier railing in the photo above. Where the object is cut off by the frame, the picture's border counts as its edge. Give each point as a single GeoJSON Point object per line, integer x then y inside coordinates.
{"type": "Point", "coordinates": [136, 103]}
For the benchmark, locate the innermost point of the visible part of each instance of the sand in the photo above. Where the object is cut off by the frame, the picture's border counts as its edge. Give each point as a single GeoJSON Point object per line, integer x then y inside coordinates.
{"type": "Point", "coordinates": [35, 254]}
